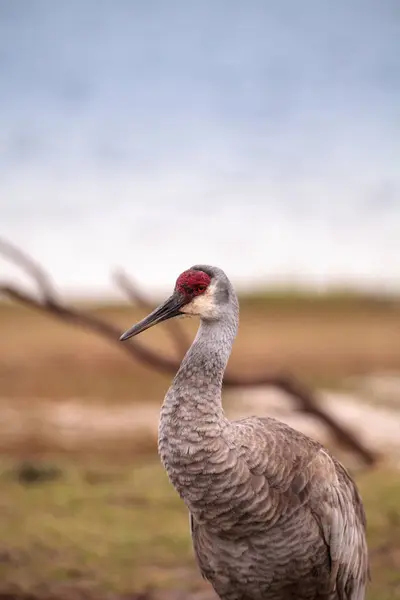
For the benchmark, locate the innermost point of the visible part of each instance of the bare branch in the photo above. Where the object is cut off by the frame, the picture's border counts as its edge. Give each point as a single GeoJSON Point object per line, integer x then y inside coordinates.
{"type": "Point", "coordinates": [131, 290]}
{"type": "Point", "coordinates": [49, 303]}
{"type": "Point", "coordinates": [27, 264]}
{"type": "Point", "coordinates": [136, 296]}
{"type": "Point", "coordinates": [92, 323]}
{"type": "Point", "coordinates": [309, 404]}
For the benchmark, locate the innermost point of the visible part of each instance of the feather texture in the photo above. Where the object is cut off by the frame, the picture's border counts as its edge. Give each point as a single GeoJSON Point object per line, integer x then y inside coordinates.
{"type": "Point", "coordinates": [273, 515]}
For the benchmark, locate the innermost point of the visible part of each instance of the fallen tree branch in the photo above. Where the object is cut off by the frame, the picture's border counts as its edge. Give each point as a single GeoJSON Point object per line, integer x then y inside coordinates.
{"type": "Point", "coordinates": [91, 323]}
{"type": "Point", "coordinates": [31, 267]}
{"type": "Point", "coordinates": [49, 303]}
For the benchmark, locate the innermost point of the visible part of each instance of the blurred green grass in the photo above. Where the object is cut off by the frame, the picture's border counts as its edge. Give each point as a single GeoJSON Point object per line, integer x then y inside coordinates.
{"type": "Point", "coordinates": [105, 528]}
{"type": "Point", "coordinates": [117, 529]}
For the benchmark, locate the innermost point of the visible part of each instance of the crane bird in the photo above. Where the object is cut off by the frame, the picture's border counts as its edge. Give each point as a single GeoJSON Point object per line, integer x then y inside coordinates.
{"type": "Point", "coordinates": [273, 515]}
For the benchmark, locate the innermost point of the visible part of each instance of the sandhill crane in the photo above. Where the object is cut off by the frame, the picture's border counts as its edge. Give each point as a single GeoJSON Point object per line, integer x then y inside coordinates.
{"type": "Point", "coordinates": [273, 515]}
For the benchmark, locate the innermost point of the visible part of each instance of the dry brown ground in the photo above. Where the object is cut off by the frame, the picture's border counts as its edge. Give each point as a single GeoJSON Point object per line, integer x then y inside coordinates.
{"type": "Point", "coordinates": [321, 341]}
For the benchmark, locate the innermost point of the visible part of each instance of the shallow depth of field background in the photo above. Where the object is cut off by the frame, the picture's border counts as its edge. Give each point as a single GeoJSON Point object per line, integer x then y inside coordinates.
{"type": "Point", "coordinates": [260, 137]}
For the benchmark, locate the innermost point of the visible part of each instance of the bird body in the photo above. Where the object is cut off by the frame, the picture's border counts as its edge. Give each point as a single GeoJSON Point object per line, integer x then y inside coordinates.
{"type": "Point", "coordinates": [273, 515]}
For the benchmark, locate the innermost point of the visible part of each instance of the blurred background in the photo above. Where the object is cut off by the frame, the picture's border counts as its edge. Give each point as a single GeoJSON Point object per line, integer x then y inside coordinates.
{"type": "Point", "coordinates": [137, 139]}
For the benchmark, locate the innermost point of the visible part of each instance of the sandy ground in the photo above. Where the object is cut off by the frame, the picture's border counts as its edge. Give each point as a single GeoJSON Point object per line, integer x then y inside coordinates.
{"type": "Point", "coordinates": [372, 411]}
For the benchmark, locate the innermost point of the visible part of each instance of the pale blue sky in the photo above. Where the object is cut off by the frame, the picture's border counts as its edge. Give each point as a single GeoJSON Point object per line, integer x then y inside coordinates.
{"type": "Point", "coordinates": [260, 136]}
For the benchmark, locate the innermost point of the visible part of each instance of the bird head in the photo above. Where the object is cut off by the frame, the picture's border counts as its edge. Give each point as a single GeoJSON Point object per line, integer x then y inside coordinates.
{"type": "Point", "coordinates": [201, 290]}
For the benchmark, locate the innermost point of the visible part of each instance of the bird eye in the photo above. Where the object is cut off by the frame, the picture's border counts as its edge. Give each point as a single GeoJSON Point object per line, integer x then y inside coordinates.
{"type": "Point", "coordinates": [201, 287]}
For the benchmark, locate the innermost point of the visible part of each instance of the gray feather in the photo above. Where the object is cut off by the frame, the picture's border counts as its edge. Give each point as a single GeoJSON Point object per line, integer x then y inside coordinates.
{"type": "Point", "coordinates": [273, 515]}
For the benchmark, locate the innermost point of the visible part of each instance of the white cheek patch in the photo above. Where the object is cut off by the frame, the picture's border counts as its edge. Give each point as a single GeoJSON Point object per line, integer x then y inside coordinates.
{"type": "Point", "coordinates": [203, 305]}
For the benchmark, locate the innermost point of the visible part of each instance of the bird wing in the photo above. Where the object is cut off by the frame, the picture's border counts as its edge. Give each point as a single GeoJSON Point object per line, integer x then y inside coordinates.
{"type": "Point", "coordinates": [301, 473]}
{"type": "Point", "coordinates": [339, 511]}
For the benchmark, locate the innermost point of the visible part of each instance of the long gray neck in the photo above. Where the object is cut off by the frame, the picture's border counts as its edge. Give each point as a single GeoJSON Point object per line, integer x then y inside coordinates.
{"type": "Point", "coordinates": [192, 424]}
{"type": "Point", "coordinates": [192, 411]}
{"type": "Point", "coordinates": [205, 362]}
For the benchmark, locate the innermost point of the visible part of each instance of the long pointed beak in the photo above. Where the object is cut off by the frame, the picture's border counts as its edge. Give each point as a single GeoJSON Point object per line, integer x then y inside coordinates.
{"type": "Point", "coordinates": [170, 308]}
